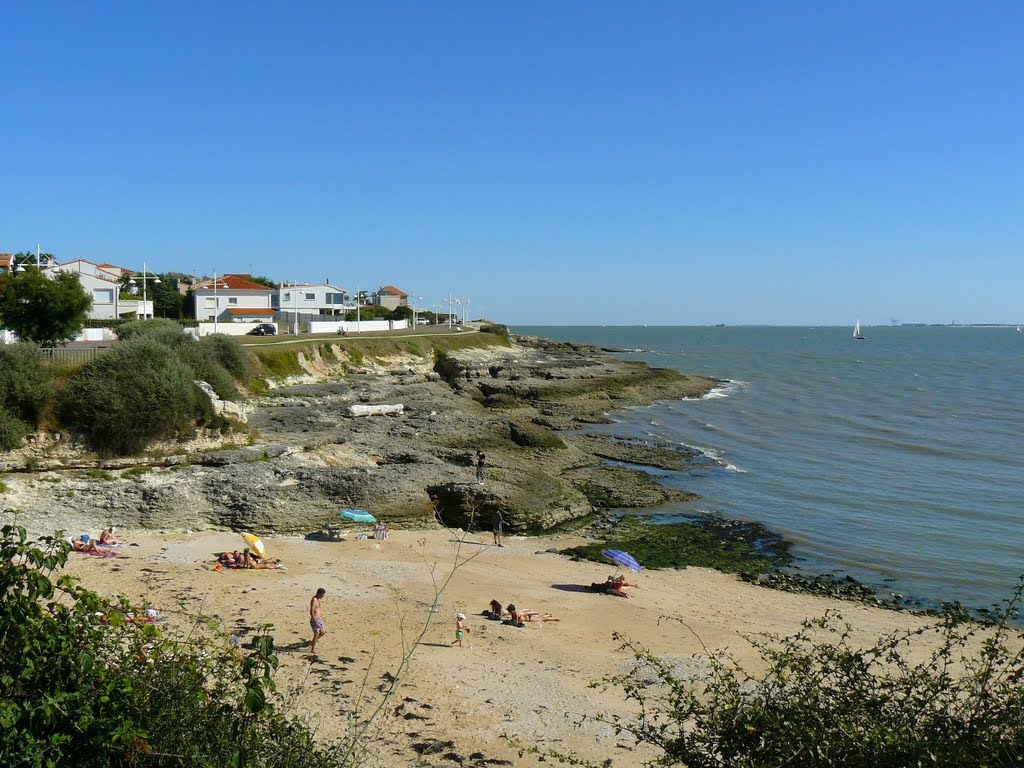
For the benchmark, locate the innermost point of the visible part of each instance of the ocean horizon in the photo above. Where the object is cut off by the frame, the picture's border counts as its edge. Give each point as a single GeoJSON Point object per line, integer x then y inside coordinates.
{"type": "Point", "coordinates": [893, 460]}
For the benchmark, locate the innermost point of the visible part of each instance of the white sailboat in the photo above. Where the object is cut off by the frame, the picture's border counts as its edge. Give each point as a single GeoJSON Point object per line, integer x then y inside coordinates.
{"type": "Point", "coordinates": [856, 331]}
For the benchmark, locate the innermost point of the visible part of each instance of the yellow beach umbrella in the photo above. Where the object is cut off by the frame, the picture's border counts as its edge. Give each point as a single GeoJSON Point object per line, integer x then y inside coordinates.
{"type": "Point", "coordinates": [254, 544]}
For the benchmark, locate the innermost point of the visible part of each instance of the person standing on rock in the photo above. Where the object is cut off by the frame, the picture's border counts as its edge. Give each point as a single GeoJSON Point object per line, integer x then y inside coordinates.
{"type": "Point", "coordinates": [498, 526]}
{"type": "Point", "coordinates": [480, 458]}
{"type": "Point", "coordinates": [316, 618]}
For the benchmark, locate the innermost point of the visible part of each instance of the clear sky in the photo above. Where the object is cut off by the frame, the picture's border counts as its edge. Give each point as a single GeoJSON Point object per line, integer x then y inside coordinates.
{"type": "Point", "coordinates": [567, 162]}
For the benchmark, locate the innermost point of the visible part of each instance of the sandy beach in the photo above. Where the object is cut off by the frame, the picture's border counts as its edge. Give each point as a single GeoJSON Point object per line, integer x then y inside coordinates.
{"type": "Point", "coordinates": [532, 684]}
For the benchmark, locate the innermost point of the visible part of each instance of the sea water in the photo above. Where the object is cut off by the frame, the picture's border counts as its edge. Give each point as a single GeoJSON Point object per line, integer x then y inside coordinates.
{"type": "Point", "coordinates": [897, 460]}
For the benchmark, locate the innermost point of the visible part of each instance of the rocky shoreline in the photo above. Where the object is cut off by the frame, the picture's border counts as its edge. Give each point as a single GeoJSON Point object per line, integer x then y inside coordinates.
{"type": "Point", "coordinates": [306, 455]}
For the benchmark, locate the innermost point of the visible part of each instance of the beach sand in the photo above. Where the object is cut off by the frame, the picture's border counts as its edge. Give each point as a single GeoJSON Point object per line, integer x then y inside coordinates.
{"type": "Point", "coordinates": [532, 683]}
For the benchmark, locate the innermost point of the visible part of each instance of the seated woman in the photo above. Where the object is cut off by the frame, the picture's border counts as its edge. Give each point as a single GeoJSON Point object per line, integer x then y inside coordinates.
{"type": "Point", "coordinates": [494, 610]}
{"type": "Point", "coordinates": [107, 537]}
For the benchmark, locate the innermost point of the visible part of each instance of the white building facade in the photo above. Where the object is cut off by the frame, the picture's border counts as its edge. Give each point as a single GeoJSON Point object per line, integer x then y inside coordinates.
{"type": "Point", "coordinates": [232, 298]}
{"type": "Point", "coordinates": [305, 299]}
{"type": "Point", "coordinates": [104, 288]}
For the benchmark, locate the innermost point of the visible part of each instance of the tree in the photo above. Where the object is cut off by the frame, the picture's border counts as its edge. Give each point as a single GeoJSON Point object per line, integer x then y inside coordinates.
{"type": "Point", "coordinates": [264, 281]}
{"type": "Point", "coordinates": [29, 257]}
{"type": "Point", "coordinates": [40, 309]}
{"type": "Point", "coordinates": [400, 313]}
{"type": "Point", "coordinates": [167, 302]}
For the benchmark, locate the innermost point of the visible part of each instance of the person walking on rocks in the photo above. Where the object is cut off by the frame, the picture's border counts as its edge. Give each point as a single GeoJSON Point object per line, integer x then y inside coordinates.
{"type": "Point", "coordinates": [316, 618]}
{"type": "Point", "coordinates": [498, 526]}
{"type": "Point", "coordinates": [480, 458]}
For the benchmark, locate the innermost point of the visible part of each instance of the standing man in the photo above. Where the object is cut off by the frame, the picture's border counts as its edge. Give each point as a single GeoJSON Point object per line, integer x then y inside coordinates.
{"type": "Point", "coordinates": [316, 618]}
{"type": "Point", "coordinates": [480, 458]}
{"type": "Point", "coordinates": [498, 525]}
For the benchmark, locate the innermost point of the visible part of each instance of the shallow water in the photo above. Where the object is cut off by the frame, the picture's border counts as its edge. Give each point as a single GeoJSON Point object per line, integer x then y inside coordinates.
{"type": "Point", "coordinates": [896, 460]}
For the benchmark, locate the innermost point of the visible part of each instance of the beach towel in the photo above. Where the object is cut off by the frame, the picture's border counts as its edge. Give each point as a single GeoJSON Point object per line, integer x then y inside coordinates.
{"type": "Point", "coordinates": [97, 553]}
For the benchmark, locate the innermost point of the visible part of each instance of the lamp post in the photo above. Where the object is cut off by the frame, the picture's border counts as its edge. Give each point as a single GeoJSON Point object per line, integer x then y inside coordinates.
{"type": "Point", "coordinates": [465, 310]}
{"type": "Point", "coordinates": [295, 310]}
{"type": "Point", "coordinates": [156, 281]}
{"type": "Point", "coordinates": [216, 308]}
{"type": "Point", "coordinates": [414, 298]}
{"type": "Point", "coordinates": [21, 267]}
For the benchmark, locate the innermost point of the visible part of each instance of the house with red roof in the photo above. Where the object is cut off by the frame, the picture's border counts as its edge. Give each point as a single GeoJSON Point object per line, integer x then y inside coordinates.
{"type": "Point", "coordinates": [232, 297]}
{"type": "Point", "coordinates": [391, 297]}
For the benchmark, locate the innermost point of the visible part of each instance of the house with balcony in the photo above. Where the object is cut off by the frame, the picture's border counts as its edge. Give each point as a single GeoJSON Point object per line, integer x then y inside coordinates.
{"type": "Point", "coordinates": [230, 298]}
{"type": "Point", "coordinates": [311, 300]}
{"type": "Point", "coordinates": [390, 297]}
{"type": "Point", "coordinates": [105, 290]}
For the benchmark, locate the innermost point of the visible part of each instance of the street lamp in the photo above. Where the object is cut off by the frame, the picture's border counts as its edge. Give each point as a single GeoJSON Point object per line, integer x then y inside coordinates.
{"type": "Point", "coordinates": [413, 298]}
{"type": "Point", "coordinates": [21, 267]}
{"type": "Point", "coordinates": [144, 278]}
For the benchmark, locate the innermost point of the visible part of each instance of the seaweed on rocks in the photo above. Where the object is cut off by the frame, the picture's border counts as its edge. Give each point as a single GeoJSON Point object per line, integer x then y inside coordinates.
{"type": "Point", "coordinates": [706, 541]}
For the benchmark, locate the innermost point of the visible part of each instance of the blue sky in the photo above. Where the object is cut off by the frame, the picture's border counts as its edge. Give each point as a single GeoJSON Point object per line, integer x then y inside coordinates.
{"type": "Point", "coordinates": [570, 162]}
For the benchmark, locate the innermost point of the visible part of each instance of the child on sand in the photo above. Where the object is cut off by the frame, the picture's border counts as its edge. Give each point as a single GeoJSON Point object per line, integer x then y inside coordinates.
{"type": "Point", "coordinates": [461, 628]}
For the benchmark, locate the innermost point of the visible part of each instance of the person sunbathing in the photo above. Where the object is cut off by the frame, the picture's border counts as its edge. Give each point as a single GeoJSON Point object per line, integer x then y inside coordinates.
{"type": "Point", "coordinates": [85, 546]}
{"type": "Point", "coordinates": [520, 617]}
{"type": "Point", "coordinates": [230, 559]}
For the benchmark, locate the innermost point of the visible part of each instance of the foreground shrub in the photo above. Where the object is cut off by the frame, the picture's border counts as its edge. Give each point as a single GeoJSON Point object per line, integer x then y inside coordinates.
{"type": "Point", "coordinates": [12, 431]}
{"type": "Point", "coordinates": [137, 392]}
{"type": "Point", "coordinates": [229, 354]}
{"type": "Point", "coordinates": [160, 329]}
{"type": "Point", "coordinates": [85, 685]}
{"type": "Point", "coordinates": [832, 703]}
{"type": "Point", "coordinates": [205, 367]}
{"type": "Point", "coordinates": [23, 381]}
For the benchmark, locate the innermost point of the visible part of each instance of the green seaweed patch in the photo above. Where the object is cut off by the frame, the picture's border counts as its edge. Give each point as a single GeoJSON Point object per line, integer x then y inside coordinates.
{"type": "Point", "coordinates": [727, 548]}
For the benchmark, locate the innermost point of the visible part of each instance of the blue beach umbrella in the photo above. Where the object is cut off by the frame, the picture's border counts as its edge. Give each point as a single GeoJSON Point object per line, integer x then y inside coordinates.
{"type": "Point", "coordinates": [357, 515]}
{"type": "Point", "coordinates": [622, 558]}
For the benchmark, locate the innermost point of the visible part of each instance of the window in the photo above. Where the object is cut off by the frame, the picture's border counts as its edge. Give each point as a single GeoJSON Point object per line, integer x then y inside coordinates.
{"type": "Point", "coordinates": [233, 300]}
{"type": "Point", "coordinates": [335, 298]}
{"type": "Point", "coordinates": [287, 296]}
{"type": "Point", "coordinates": [103, 296]}
{"type": "Point", "coordinates": [310, 297]}
{"type": "Point", "coordinates": [211, 304]}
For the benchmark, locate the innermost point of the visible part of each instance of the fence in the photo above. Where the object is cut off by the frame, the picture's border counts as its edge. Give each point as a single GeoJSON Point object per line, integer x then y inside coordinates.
{"type": "Point", "coordinates": [72, 355]}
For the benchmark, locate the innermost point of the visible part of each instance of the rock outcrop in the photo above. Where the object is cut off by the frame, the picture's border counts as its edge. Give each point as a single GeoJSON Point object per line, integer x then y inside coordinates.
{"type": "Point", "coordinates": [309, 457]}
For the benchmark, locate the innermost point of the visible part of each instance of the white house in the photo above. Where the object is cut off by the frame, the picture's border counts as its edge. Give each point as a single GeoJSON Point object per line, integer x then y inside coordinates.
{"type": "Point", "coordinates": [311, 299]}
{"type": "Point", "coordinates": [105, 290]}
{"type": "Point", "coordinates": [230, 298]}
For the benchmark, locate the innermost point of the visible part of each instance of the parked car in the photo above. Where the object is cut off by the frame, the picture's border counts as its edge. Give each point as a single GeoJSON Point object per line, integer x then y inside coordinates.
{"type": "Point", "coordinates": [263, 329]}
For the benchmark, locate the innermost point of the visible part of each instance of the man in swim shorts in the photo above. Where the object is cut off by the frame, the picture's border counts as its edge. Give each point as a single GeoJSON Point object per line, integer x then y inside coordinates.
{"type": "Point", "coordinates": [316, 618]}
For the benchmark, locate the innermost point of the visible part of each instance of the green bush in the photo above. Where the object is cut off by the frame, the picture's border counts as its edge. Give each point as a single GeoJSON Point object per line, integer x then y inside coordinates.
{"type": "Point", "coordinates": [24, 381]}
{"type": "Point", "coordinates": [137, 392]}
{"type": "Point", "coordinates": [160, 329]}
{"type": "Point", "coordinates": [85, 685]}
{"type": "Point", "coordinates": [947, 695]}
{"type": "Point", "coordinates": [229, 354]}
{"type": "Point", "coordinates": [12, 431]}
{"type": "Point", "coordinates": [205, 367]}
